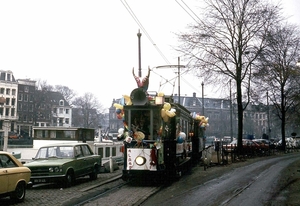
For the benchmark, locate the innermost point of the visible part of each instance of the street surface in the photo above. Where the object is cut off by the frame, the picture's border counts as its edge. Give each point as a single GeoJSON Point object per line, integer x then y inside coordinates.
{"type": "Point", "coordinates": [256, 181]}
{"type": "Point", "coordinates": [253, 184]}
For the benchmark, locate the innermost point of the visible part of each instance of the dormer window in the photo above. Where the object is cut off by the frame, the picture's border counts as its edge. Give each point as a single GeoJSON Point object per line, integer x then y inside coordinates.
{"type": "Point", "coordinates": [61, 103]}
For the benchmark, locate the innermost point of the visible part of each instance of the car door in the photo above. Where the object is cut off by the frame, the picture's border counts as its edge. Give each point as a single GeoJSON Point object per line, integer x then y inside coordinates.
{"type": "Point", "coordinates": [3, 175]}
{"type": "Point", "coordinates": [88, 158]}
{"type": "Point", "coordinates": [79, 163]}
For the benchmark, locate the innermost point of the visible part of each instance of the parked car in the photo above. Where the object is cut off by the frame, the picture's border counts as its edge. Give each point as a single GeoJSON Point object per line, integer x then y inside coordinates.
{"type": "Point", "coordinates": [289, 142]}
{"type": "Point", "coordinates": [264, 144]}
{"type": "Point", "coordinates": [14, 177]}
{"type": "Point", "coordinates": [13, 135]}
{"type": "Point", "coordinates": [249, 146]}
{"type": "Point", "coordinates": [64, 163]}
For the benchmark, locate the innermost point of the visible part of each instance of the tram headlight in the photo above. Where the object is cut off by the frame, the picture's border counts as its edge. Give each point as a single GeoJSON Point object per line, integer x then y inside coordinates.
{"type": "Point", "coordinates": [139, 160]}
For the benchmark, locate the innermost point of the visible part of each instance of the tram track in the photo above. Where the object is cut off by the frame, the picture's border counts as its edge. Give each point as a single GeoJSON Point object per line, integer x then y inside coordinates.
{"type": "Point", "coordinates": [125, 194]}
{"type": "Point", "coordinates": [101, 194]}
{"type": "Point", "coordinates": [113, 191]}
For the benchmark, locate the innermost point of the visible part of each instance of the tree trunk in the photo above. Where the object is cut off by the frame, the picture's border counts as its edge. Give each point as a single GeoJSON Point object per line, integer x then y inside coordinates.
{"type": "Point", "coordinates": [283, 120]}
{"type": "Point", "coordinates": [240, 117]}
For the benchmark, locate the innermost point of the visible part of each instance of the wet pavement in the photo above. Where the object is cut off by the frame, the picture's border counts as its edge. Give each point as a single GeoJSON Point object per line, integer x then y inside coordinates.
{"type": "Point", "coordinates": [54, 194]}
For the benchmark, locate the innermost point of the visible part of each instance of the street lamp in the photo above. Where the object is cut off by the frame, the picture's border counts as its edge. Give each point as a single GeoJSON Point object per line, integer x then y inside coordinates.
{"type": "Point", "coordinates": [6, 126]}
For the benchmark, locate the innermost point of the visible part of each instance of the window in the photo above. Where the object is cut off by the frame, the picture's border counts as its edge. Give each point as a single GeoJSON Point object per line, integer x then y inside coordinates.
{"type": "Point", "coordinates": [13, 92]}
{"type": "Point", "coordinates": [2, 76]}
{"type": "Point", "coordinates": [61, 103]}
{"type": "Point", "coordinates": [13, 102]}
{"type": "Point", "coordinates": [6, 111]}
{"type": "Point", "coordinates": [86, 151]}
{"type": "Point", "coordinates": [31, 98]}
{"type": "Point", "coordinates": [12, 111]}
{"type": "Point", "coordinates": [67, 120]}
{"type": "Point", "coordinates": [107, 151]}
{"type": "Point", "coordinates": [26, 97]}
{"type": "Point", "coordinates": [67, 111]}
{"type": "Point", "coordinates": [2, 90]}
{"type": "Point", "coordinates": [6, 162]}
{"type": "Point", "coordinates": [8, 77]}
{"type": "Point", "coordinates": [26, 89]}
{"type": "Point", "coordinates": [30, 118]}
{"type": "Point", "coordinates": [20, 107]}
{"type": "Point", "coordinates": [7, 101]}
{"type": "Point", "coordinates": [31, 107]}
{"type": "Point", "coordinates": [61, 110]}
{"type": "Point", "coordinates": [78, 152]}
{"type": "Point", "coordinates": [20, 97]}
{"type": "Point", "coordinates": [25, 107]}
{"type": "Point", "coordinates": [8, 91]}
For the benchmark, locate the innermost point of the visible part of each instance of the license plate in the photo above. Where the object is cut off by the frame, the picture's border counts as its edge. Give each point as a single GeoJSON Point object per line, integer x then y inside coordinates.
{"type": "Point", "coordinates": [39, 181]}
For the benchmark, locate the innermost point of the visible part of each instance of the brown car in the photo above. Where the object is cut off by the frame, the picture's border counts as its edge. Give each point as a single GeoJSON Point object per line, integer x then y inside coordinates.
{"type": "Point", "coordinates": [14, 177]}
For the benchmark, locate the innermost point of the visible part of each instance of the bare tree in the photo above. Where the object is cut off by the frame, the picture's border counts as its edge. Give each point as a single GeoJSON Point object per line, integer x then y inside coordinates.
{"type": "Point", "coordinates": [42, 85]}
{"type": "Point", "coordinates": [226, 42]}
{"type": "Point", "coordinates": [86, 111]}
{"type": "Point", "coordinates": [68, 93]}
{"type": "Point", "coordinates": [278, 73]}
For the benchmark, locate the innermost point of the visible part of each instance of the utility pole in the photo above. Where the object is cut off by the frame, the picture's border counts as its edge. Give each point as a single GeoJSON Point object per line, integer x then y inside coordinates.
{"type": "Point", "coordinates": [178, 80]}
{"type": "Point", "coordinates": [202, 84]}
{"type": "Point", "coordinates": [139, 50]}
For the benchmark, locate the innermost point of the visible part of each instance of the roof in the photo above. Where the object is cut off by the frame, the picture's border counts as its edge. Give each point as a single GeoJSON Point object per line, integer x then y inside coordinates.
{"type": "Point", "coordinates": [72, 144]}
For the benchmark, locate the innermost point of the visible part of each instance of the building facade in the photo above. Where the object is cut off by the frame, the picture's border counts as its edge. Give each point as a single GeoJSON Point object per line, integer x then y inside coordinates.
{"type": "Point", "coordinates": [8, 103]}
{"type": "Point", "coordinates": [26, 107]}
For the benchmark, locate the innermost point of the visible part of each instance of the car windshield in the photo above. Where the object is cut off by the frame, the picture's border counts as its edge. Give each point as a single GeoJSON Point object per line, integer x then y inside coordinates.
{"type": "Point", "coordinates": [57, 151]}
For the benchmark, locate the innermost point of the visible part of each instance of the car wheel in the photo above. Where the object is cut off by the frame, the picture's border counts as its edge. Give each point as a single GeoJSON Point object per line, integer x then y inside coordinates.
{"type": "Point", "coordinates": [19, 194]}
{"type": "Point", "coordinates": [94, 174]}
{"type": "Point", "coordinates": [69, 179]}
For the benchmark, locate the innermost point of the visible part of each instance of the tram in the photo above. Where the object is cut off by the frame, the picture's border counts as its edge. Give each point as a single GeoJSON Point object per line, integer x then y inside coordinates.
{"type": "Point", "coordinates": [162, 139]}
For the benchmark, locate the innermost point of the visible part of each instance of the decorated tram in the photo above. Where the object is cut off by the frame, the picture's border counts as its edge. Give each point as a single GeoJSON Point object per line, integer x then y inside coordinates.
{"type": "Point", "coordinates": [162, 139]}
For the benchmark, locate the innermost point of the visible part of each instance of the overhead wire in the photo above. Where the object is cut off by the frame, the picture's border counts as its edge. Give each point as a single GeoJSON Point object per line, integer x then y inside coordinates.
{"type": "Point", "coordinates": [126, 5]}
{"type": "Point", "coordinates": [188, 11]}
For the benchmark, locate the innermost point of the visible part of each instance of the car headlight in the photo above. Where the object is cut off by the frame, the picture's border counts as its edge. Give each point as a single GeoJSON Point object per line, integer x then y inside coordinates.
{"type": "Point", "coordinates": [139, 160]}
{"type": "Point", "coordinates": [54, 169]}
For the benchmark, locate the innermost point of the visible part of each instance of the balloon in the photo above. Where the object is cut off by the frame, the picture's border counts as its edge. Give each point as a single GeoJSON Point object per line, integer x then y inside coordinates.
{"type": "Point", "coordinates": [118, 111]}
{"type": "Point", "coordinates": [170, 113]}
{"type": "Point", "coordinates": [163, 113]}
{"type": "Point", "coordinates": [166, 118]}
{"type": "Point", "coordinates": [127, 100]}
{"type": "Point", "coordinates": [167, 106]}
{"type": "Point", "coordinates": [182, 135]}
{"type": "Point", "coordinates": [180, 140]}
{"type": "Point", "coordinates": [118, 106]}
{"type": "Point", "coordinates": [119, 116]}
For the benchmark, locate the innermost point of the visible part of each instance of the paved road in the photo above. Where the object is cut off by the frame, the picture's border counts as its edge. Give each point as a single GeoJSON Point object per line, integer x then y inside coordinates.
{"type": "Point", "coordinates": [253, 184]}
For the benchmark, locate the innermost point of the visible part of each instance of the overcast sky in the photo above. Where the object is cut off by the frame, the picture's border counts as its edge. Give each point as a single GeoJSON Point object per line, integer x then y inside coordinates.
{"type": "Point", "coordinates": [92, 46]}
